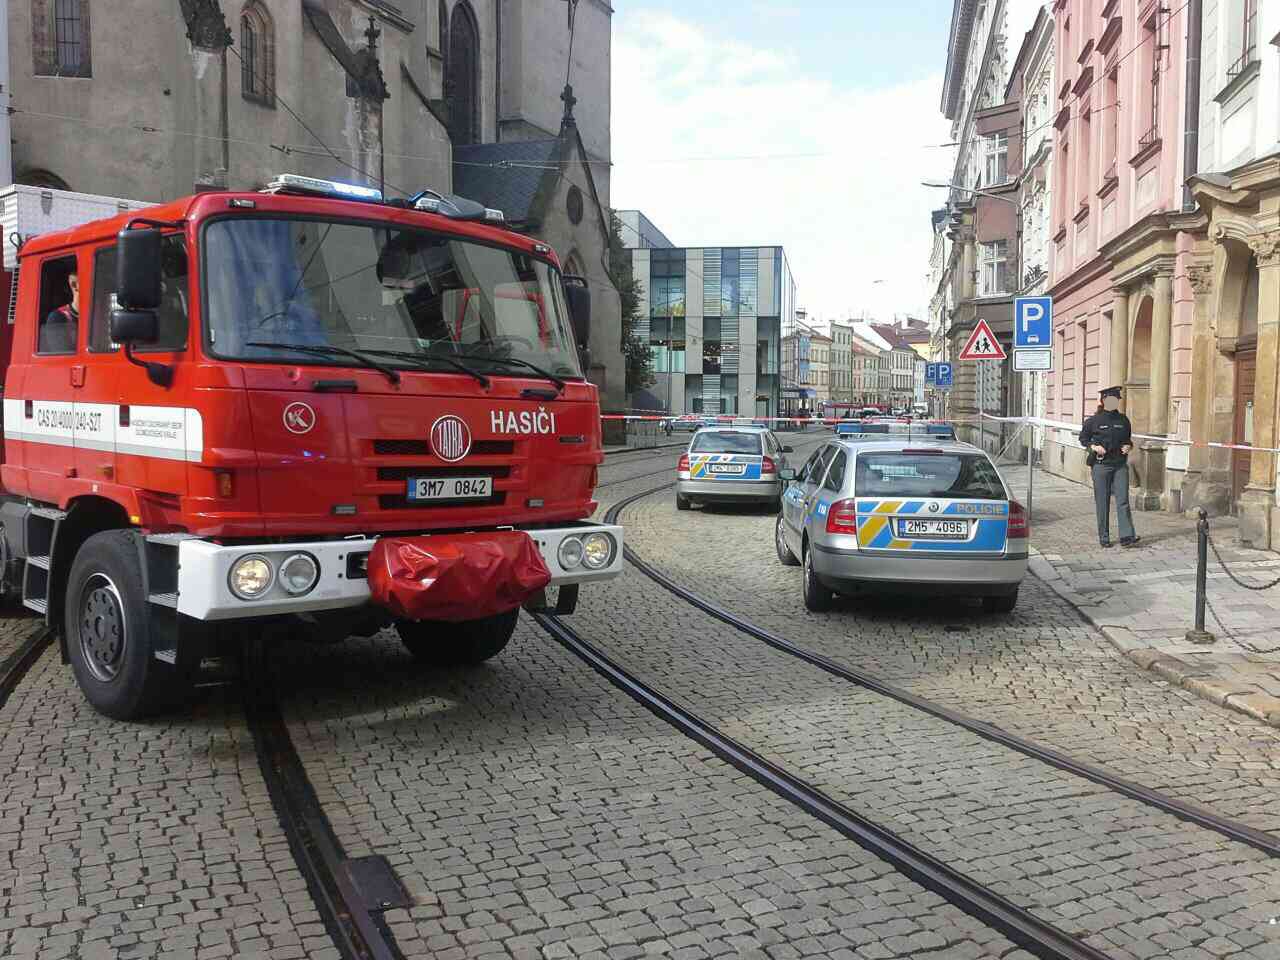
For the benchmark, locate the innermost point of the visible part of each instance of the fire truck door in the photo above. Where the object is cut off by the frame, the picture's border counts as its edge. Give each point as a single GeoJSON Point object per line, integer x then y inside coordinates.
{"type": "Point", "coordinates": [66, 434]}
{"type": "Point", "coordinates": [154, 430]}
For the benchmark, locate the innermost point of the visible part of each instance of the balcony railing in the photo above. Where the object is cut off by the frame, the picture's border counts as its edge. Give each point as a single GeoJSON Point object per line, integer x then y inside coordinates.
{"type": "Point", "coordinates": [1242, 62]}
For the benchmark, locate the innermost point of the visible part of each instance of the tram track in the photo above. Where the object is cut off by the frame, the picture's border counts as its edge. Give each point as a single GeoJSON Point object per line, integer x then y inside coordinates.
{"type": "Point", "coordinates": [1019, 925]}
{"type": "Point", "coordinates": [21, 660]}
{"type": "Point", "coordinates": [349, 894]}
{"type": "Point", "coordinates": [1228, 827]}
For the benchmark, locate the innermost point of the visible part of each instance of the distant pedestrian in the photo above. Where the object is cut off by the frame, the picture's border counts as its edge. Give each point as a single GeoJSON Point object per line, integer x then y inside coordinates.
{"type": "Point", "coordinates": [1108, 436]}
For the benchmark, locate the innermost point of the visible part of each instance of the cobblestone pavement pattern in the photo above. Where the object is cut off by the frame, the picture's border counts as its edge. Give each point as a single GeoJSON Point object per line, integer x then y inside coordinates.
{"type": "Point", "coordinates": [1040, 672]}
{"type": "Point", "coordinates": [139, 840]}
{"type": "Point", "coordinates": [1133, 881]}
{"type": "Point", "coordinates": [533, 811]}
{"type": "Point", "coordinates": [1144, 599]}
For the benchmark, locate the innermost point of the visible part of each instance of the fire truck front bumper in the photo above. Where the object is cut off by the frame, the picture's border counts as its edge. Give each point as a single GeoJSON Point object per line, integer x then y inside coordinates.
{"type": "Point", "coordinates": [218, 582]}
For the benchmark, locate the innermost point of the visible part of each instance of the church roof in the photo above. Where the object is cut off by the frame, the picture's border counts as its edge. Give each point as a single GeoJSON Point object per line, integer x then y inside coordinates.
{"type": "Point", "coordinates": [505, 176]}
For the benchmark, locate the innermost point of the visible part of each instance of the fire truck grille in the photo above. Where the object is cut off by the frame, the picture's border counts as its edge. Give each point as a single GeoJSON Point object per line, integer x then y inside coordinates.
{"type": "Point", "coordinates": [422, 448]}
{"type": "Point", "coordinates": [398, 501]}
{"type": "Point", "coordinates": [435, 473]}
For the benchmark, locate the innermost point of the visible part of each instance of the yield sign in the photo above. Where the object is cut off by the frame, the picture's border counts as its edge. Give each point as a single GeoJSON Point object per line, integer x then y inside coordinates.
{"type": "Point", "coordinates": [982, 345]}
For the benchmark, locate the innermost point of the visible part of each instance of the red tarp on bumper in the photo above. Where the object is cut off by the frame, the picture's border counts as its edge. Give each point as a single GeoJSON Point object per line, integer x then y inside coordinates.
{"type": "Point", "coordinates": [456, 577]}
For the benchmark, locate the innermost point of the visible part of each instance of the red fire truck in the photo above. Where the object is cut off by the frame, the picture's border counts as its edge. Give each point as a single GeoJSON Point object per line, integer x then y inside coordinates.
{"type": "Point", "coordinates": [308, 406]}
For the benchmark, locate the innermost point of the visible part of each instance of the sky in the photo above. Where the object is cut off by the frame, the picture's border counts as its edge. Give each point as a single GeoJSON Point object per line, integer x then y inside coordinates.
{"type": "Point", "coordinates": [807, 123]}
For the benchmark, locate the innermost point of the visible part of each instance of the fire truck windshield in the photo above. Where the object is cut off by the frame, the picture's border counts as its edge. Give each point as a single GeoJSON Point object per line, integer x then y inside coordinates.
{"type": "Point", "coordinates": [397, 293]}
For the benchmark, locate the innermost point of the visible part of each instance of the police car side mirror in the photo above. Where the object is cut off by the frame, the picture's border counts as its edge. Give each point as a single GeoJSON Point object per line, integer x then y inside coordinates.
{"type": "Point", "coordinates": [138, 269]}
{"type": "Point", "coordinates": [787, 474]}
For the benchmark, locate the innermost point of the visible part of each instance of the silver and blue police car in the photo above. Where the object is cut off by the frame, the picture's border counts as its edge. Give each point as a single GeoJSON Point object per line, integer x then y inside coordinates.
{"type": "Point", "coordinates": [731, 464]}
{"type": "Point", "coordinates": [931, 518]}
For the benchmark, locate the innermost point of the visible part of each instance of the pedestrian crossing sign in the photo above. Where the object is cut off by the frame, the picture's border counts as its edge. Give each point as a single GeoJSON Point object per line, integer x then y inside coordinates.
{"type": "Point", "coordinates": [982, 344]}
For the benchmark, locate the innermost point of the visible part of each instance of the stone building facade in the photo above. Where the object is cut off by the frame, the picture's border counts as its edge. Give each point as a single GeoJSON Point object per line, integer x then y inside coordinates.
{"type": "Point", "coordinates": [155, 99]}
{"type": "Point", "coordinates": [1233, 268]}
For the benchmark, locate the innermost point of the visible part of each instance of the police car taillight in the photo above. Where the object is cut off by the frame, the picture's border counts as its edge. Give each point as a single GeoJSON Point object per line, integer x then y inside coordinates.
{"type": "Point", "coordinates": [842, 517]}
{"type": "Point", "coordinates": [683, 465]}
{"type": "Point", "coordinates": [768, 466]}
{"type": "Point", "coordinates": [1019, 528]}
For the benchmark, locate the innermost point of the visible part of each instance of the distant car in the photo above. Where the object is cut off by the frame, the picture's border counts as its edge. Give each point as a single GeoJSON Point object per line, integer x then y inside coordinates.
{"type": "Point", "coordinates": [731, 464]}
{"type": "Point", "coordinates": [687, 423]}
{"type": "Point", "coordinates": [899, 515]}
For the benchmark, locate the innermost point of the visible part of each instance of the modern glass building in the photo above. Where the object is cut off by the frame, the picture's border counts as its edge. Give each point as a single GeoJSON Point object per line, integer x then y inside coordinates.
{"type": "Point", "coordinates": [714, 317]}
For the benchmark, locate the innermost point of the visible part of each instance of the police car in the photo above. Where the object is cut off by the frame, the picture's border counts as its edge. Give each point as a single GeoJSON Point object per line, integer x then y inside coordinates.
{"type": "Point", "coordinates": [903, 515]}
{"type": "Point", "coordinates": [731, 464]}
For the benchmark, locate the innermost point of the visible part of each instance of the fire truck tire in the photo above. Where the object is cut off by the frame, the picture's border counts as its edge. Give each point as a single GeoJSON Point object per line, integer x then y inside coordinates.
{"type": "Point", "coordinates": [457, 644]}
{"type": "Point", "coordinates": [108, 620]}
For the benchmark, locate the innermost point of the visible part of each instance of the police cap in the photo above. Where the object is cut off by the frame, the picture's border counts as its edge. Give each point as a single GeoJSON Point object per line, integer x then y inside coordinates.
{"type": "Point", "coordinates": [1110, 392]}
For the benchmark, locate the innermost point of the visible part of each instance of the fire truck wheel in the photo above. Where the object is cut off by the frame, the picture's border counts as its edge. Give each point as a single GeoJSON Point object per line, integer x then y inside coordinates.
{"type": "Point", "coordinates": [457, 644]}
{"type": "Point", "coordinates": [107, 619]}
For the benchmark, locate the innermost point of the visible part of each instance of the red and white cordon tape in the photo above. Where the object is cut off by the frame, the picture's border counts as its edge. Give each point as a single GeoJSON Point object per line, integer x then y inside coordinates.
{"type": "Point", "coordinates": [1174, 441]}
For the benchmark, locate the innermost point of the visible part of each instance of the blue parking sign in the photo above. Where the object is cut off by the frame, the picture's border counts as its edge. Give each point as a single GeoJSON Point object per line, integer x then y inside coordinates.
{"type": "Point", "coordinates": [931, 374]}
{"type": "Point", "coordinates": [944, 375]}
{"type": "Point", "coordinates": [1033, 322]}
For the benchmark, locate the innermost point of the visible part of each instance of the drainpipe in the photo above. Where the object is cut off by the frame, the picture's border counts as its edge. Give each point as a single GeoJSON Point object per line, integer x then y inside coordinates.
{"type": "Point", "coordinates": [6, 156]}
{"type": "Point", "coordinates": [1191, 135]}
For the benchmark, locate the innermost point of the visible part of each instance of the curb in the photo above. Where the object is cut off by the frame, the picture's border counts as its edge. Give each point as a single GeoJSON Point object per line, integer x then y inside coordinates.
{"type": "Point", "coordinates": [1240, 697]}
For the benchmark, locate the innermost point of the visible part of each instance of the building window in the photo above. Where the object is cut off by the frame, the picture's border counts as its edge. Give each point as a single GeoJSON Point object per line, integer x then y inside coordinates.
{"type": "Point", "coordinates": [1083, 174]}
{"type": "Point", "coordinates": [666, 283]}
{"type": "Point", "coordinates": [1245, 46]}
{"type": "Point", "coordinates": [1112, 124]}
{"type": "Point", "coordinates": [994, 268]}
{"type": "Point", "coordinates": [1151, 93]}
{"type": "Point", "coordinates": [997, 158]}
{"type": "Point", "coordinates": [60, 38]}
{"type": "Point", "coordinates": [462, 76]}
{"type": "Point", "coordinates": [257, 55]}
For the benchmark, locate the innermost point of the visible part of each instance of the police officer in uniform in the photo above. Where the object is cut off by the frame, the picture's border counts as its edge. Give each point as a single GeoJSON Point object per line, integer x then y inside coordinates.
{"type": "Point", "coordinates": [1108, 436]}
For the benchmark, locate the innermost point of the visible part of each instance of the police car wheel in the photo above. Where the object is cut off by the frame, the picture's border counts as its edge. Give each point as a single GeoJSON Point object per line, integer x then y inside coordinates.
{"type": "Point", "coordinates": [683, 502]}
{"type": "Point", "coordinates": [1003, 604]}
{"type": "Point", "coordinates": [785, 556]}
{"type": "Point", "coordinates": [471, 642]}
{"type": "Point", "coordinates": [817, 597]}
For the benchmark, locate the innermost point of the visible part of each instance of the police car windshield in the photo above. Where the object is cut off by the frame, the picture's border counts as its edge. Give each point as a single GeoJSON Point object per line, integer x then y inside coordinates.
{"type": "Point", "coordinates": [384, 291]}
{"type": "Point", "coordinates": [726, 441]}
{"type": "Point", "coordinates": [960, 476]}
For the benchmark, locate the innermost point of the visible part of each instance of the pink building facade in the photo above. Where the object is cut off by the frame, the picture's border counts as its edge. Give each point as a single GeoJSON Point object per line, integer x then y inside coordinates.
{"type": "Point", "coordinates": [1123, 306]}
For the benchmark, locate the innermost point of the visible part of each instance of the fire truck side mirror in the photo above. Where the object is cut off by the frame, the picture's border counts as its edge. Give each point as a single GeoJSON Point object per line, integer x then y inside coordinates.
{"type": "Point", "coordinates": [134, 326]}
{"type": "Point", "coordinates": [138, 270]}
{"type": "Point", "coordinates": [579, 299]}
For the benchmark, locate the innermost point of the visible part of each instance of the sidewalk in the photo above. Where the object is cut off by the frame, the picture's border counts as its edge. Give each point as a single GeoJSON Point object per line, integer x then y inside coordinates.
{"type": "Point", "coordinates": [1143, 599]}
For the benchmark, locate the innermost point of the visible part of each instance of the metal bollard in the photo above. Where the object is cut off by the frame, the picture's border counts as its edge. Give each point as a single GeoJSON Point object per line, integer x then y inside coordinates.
{"type": "Point", "coordinates": [1199, 634]}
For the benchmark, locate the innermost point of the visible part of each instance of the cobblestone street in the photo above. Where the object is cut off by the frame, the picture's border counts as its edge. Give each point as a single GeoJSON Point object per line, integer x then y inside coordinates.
{"type": "Point", "coordinates": [532, 811]}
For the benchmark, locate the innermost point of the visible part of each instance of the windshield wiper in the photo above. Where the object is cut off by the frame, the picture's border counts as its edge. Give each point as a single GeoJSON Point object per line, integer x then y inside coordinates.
{"type": "Point", "coordinates": [545, 374]}
{"type": "Point", "coordinates": [329, 350]}
{"type": "Point", "coordinates": [424, 358]}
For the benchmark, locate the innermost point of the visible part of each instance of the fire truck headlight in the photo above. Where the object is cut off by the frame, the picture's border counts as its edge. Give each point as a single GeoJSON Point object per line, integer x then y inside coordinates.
{"type": "Point", "coordinates": [597, 550]}
{"type": "Point", "coordinates": [299, 573]}
{"type": "Point", "coordinates": [250, 577]}
{"type": "Point", "coordinates": [570, 553]}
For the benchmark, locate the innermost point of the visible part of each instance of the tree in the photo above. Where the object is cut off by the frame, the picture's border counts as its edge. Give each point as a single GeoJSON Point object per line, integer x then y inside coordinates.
{"type": "Point", "coordinates": [638, 354]}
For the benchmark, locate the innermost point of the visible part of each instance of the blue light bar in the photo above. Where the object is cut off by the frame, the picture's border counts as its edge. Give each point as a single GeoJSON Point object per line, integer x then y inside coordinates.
{"type": "Point", "coordinates": [293, 183]}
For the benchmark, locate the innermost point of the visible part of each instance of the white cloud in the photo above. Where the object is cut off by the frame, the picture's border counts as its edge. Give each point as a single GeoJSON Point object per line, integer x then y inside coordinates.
{"type": "Point", "coordinates": [847, 218]}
